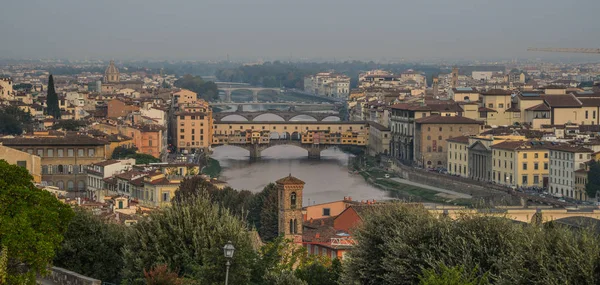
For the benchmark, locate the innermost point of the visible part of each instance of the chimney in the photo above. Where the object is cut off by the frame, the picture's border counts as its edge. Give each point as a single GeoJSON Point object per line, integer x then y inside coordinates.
{"type": "Point", "coordinates": [317, 235]}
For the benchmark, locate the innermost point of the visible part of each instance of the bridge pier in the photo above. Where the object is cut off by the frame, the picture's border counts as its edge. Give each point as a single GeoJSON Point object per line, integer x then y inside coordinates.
{"type": "Point", "coordinates": [255, 152]}
{"type": "Point", "coordinates": [314, 152]}
{"type": "Point", "coordinates": [228, 96]}
{"type": "Point", "coordinates": [255, 96]}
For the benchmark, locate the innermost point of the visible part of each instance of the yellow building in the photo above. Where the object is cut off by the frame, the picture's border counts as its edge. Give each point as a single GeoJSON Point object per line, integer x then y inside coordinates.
{"type": "Point", "coordinates": [458, 156]}
{"type": "Point", "coordinates": [32, 163]}
{"type": "Point", "coordinates": [520, 163]}
{"type": "Point", "coordinates": [159, 191]}
{"type": "Point", "coordinates": [497, 109]}
{"type": "Point", "coordinates": [464, 94]}
{"type": "Point", "coordinates": [581, 178]}
{"type": "Point", "coordinates": [193, 125]}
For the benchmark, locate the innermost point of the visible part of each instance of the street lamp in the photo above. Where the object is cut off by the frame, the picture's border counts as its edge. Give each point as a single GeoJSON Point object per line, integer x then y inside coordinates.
{"type": "Point", "coordinates": [228, 250]}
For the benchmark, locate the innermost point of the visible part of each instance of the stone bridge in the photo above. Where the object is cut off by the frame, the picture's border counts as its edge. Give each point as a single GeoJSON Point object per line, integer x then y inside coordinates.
{"type": "Point", "coordinates": [286, 116]}
{"type": "Point", "coordinates": [254, 90]}
{"type": "Point", "coordinates": [314, 150]}
{"type": "Point", "coordinates": [527, 215]}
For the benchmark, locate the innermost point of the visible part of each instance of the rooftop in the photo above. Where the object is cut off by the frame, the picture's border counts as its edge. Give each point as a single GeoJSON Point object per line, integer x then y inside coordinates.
{"type": "Point", "coordinates": [437, 119]}
{"type": "Point", "coordinates": [290, 180]}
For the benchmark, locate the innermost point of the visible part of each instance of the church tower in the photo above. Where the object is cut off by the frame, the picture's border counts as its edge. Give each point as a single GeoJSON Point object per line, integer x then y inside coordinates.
{"type": "Point", "coordinates": [289, 195]}
{"type": "Point", "coordinates": [111, 75]}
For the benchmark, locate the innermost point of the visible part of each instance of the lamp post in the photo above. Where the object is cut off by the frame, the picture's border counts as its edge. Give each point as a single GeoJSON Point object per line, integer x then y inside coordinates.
{"type": "Point", "coordinates": [228, 250]}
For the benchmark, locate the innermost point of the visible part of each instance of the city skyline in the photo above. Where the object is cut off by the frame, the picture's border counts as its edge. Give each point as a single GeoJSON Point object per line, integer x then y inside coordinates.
{"type": "Point", "coordinates": [270, 30]}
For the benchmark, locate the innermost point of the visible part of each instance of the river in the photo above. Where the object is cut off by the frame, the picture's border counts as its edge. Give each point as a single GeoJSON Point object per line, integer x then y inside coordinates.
{"type": "Point", "coordinates": [327, 179]}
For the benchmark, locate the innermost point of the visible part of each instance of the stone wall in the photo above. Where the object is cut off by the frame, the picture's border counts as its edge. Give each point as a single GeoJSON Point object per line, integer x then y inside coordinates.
{"type": "Point", "coordinates": [61, 276]}
{"type": "Point", "coordinates": [491, 194]}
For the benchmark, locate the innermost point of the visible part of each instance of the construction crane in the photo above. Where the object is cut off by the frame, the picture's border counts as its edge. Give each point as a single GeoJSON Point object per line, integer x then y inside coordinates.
{"type": "Point", "coordinates": [572, 50]}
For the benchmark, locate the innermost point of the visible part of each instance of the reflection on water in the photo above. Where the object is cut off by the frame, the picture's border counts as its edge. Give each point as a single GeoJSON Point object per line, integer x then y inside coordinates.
{"type": "Point", "coordinates": [326, 179]}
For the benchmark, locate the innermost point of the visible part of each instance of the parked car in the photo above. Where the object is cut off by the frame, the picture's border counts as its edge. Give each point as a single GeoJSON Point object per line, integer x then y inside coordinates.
{"type": "Point", "coordinates": [387, 175]}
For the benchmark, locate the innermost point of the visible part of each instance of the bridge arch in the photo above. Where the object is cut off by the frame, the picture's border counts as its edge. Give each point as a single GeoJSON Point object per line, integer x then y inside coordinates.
{"type": "Point", "coordinates": [264, 117]}
{"type": "Point", "coordinates": [234, 118]}
{"type": "Point", "coordinates": [332, 118]}
{"type": "Point", "coordinates": [303, 118]}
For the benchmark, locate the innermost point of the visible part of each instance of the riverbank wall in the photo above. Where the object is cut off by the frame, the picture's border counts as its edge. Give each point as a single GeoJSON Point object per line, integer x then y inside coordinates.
{"type": "Point", "coordinates": [487, 193]}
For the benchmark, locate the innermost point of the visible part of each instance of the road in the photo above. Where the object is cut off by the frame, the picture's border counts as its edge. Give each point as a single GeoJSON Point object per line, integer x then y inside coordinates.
{"type": "Point", "coordinates": [453, 193]}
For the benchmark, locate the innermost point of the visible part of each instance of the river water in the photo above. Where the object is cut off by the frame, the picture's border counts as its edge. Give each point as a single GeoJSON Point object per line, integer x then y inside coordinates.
{"type": "Point", "coordinates": [327, 179]}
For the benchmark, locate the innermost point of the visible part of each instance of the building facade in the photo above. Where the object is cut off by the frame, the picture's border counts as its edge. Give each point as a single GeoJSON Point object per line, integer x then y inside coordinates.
{"type": "Point", "coordinates": [565, 160]}
{"type": "Point", "coordinates": [29, 161]}
{"type": "Point", "coordinates": [289, 195]}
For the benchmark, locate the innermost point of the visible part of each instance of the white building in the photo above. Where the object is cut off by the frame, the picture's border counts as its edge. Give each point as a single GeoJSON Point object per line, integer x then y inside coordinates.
{"type": "Point", "coordinates": [564, 161]}
{"type": "Point", "coordinates": [97, 172]}
{"type": "Point", "coordinates": [328, 84]}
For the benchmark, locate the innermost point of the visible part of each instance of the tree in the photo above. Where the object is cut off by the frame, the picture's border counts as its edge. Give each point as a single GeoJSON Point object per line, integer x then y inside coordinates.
{"type": "Point", "coordinates": [13, 121]}
{"type": "Point", "coordinates": [69, 125]}
{"type": "Point", "coordinates": [32, 223]}
{"type": "Point", "coordinates": [188, 237]}
{"type": "Point", "coordinates": [206, 90]}
{"type": "Point", "coordinates": [593, 184]}
{"type": "Point", "coordinates": [452, 276]}
{"type": "Point", "coordinates": [161, 275]}
{"type": "Point", "coordinates": [285, 278]}
{"type": "Point", "coordinates": [93, 247]}
{"type": "Point", "coordinates": [396, 244]}
{"type": "Point", "coordinates": [143, 158]}
{"type": "Point", "coordinates": [265, 214]}
{"type": "Point", "coordinates": [323, 271]}
{"type": "Point", "coordinates": [122, 152]}
{"type": "Point", "coordinates": [52, 100]}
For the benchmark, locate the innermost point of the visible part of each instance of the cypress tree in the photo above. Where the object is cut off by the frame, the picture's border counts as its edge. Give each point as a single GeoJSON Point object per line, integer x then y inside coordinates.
{"type": "Point", "coordinates": [52, 100]}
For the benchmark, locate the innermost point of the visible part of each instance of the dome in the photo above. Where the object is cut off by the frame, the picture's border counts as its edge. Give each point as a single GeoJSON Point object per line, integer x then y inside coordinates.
{"type": "Point", "coordinates": [111, 75]}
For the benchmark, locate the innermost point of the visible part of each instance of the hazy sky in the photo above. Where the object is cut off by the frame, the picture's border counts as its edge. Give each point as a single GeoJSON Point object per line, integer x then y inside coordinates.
{"type": "Point", "coordinates": [250, 29]}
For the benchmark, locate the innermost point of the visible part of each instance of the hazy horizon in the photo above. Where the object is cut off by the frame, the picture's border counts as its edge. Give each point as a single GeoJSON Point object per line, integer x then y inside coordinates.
{"type": "Point", "coordinates": [307, 30]}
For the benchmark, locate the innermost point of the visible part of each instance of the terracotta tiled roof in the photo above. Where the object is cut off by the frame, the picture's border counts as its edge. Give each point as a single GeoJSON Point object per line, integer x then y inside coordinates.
{"type": "Point", "coordinates": [540, 107]}
{"type": "Point", "coordinates": [461, 139]}
{"type": "Point", "coordinates": [76, 140]}
{"type": "Point", "coordinates": [485, 109]}
{"type": "Point", "coordinates": [558, 101]}
{"type": "Point", "coordinates": [569, 148]}
{"type": "Point", "coordinates": [290, 180]}
{"type": "Point", "coordinates": [437, 119]}
{"type": "Point", "coordinates": [496, 92]}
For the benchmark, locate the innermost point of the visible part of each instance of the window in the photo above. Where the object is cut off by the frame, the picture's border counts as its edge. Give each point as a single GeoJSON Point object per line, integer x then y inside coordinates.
{"type": "Point", "coordinates": [428, 138]}
{"type": "Point", "coordinates": [80, 152]}
{"type": "Point", "coordinates": [535, 166]}
{"type": "Point", "coordinates": [428, 149]}
{"type": "Point", "coordinates": [293, 200]}
{"type": "Point", "coordinates": [326, 212]}
{"type": "Point", "coordinates": [50, 152]}
{"type": "Point", "coordinates": [70, 152]}
{"type": "Point", "coordinates": [439, 149]}
{"type": "Point", "coordinates": [59, 152]}
{"type": "Point", "coordinates": [490, 105]}
{"type": "Point", "coordinates": [525, 166]}
{"type": "Point", "coordinates": [500, 105]}
{"type": "Point", "coordinates": [525, 155]}
{"type": "Point", "coordinates": [439, 137]}
{"type": "Point", "coordinates": [22, 163]}
{"type": "Point", "coordinates": [182, 130]}
{"type": "Point", "coordinates": [524, 180]}
{"type": "Point", "coordinates": [535, 155]}
{"type": "Point", "coordinates": [545, 155]}
{"type": "Point", "coordinates": [40, 152]}
{"type": "Point", "coordinates": [440, 129]}
{"type": "Point", "coordinates": [91, 152]}
{"type": "Point", "coordinates": [70, 185]}
{"type": "Point", "coordinates": [536, 179]}
{"type": "Point", "coordinates": [165, 196]}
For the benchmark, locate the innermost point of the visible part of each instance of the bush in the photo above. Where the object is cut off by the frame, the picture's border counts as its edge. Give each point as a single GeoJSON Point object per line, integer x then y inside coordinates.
{"type": "Point", "coordinates": [398, 243]}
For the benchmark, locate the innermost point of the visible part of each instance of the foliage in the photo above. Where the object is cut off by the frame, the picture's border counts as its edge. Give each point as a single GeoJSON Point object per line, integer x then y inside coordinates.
{"type": "Point", "coordinates": [593, 184]}
{"type": "Point", "coordinates": [161, 275]}
{"type": "Point", "coordinates": [92, 247]}
{"type": "Point", "coordinates": [452, 276]}
{"type": "Point", "coordinates": [188, 237]}
{"type": "Point", "coordinates": [206, 90]}
{"type": "Point", "coordinates": [22, 86]}
{"type": "Point", "coordinates": [320, 271]}
{"type": "Point", "coordinates": [32, 223]}
{"type": "Point", "coordinates": [397, 242]}
{"type": "Point", "coordinates": [3, 264]}
{"type": "Point", "coordinates": [13, 120]}
{"type": "Point", "coordinates": [69, 125]}
{"type": "Point", "coordinates": [52, 100]}
{"type": "Point", "coordinates": [285, 278]}
{"type": "Point", "coordinates": [122, 152]}
{"type": "Point", "coordinates": [213, 168]}
{"type": "Point", "coordinates": [258, 210]}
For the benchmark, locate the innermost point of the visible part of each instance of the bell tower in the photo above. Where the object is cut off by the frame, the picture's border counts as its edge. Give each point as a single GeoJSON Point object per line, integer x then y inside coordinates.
{"type": "Point", "coordinates": [289, 194]}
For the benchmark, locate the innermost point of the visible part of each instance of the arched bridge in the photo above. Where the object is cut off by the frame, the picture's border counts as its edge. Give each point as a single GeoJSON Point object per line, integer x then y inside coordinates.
{"type": "Point", "coordinates": [526, 215]}
{"type": "Point", "coordinates": [286, 116]}
{"type": "Point", "coordinates": [312, 136]}
{"type": "Point", "coordinates": [254, 90]}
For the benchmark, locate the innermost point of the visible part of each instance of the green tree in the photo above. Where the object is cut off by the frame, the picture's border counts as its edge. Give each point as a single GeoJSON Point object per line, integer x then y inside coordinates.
{"type": "Point", "coordinates": [206, 90]}
{"type": "Point", "coordinates": [264, 213]}
{"type": "Point", "coordinates": [161, 275]}
{"type": "Point", "coordinates": [285, 278]}
{"type": "Point", "coordinates": [323, 271]}
{"type": "Point", "coordinates": [13, 120]}
{"type": "Point", "coordinates": [451, 276]}
{"type": "Point", "coordinates": [122, 152]}
{"type": "Point", "coordinates": [52, 108]}
{"type": "Point", "coordinates": [395, 244]}
{"type": "Point", "coordinates": [593, 184]}
{"type": "Point", "coordinates": [143, 158]}
{"type": "Point", "coordinates": [93, 247]}
{"type": "Point", "coordinates": [69, 125]}
{"type": "Point", "coordinates": [188, 237]}
{"type": "Point", "coordinates": [32, 223]}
